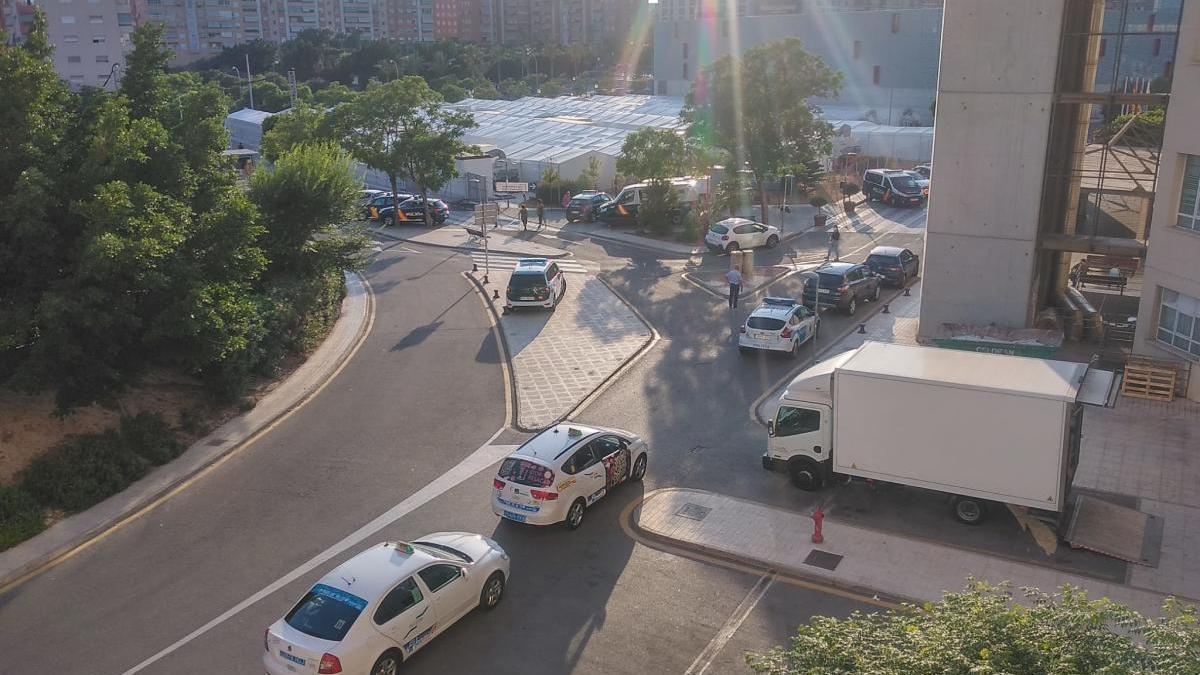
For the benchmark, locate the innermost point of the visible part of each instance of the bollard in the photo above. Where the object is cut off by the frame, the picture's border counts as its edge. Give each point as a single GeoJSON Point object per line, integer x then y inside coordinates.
{"type": "Point", "coordinates": [474, 267]}
{"type": "Point", "coordinates": [906, 293]}
{"type": "Point", "coordinates": [885, 309]}
{"type": "Point", "coordinates": [818, 516]}
{"type": "Point", "coordinates": [862, 328]}
{"type": "Point", "coordinates": [495, 294]}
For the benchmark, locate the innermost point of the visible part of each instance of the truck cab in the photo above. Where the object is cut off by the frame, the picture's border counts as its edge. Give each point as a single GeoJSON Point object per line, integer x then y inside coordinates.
{"type": "Point", "coordinates": [800, 436]}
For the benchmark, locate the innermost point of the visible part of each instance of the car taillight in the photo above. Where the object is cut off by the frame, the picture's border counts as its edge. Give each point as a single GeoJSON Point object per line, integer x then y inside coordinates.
{"type": "Point", "coordinates": [543, 495]}
{"type": "Point", "coordinates": [497, 483]}
{"type": "Point", "coordinates": [725, 237]}
{"type": "Point", "coordinates": [329, 664]}
{"type": "Point", "coordinates": [786, 333]}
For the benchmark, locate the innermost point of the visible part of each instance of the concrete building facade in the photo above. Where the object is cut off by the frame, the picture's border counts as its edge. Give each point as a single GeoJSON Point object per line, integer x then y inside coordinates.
{"type": "Point", "coordinates": [90, 38]}
{"type": "Point", "coordinates": [888, 57]}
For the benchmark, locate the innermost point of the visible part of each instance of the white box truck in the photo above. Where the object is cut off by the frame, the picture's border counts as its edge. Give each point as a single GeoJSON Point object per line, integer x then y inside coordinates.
{"type": "Point", "coordinates": [982, 428]}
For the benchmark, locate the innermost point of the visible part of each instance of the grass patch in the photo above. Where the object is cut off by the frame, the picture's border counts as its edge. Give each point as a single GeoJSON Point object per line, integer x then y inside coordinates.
{"type": "Point", "coordinates": [20, 516]}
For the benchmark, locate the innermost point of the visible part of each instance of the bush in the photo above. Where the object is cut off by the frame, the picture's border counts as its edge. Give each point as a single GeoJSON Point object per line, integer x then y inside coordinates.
{"type": "Point", "coordinates": [818, 202]}
{"type": "Point", "coordinates": [150, 437]}
{"type": "Point", "coordinates": [83, 471]}
{"type": "Point", "coordinates": [20, 516]}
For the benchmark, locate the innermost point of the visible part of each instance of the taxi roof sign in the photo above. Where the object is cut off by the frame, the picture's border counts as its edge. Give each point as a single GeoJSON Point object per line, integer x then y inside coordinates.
{"type": "Point", "coordinates": [573, 432]}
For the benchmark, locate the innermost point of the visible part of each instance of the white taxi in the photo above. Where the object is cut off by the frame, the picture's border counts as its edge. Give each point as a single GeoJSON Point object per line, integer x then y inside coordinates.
{"type": "Point", "coordinates": [557, 474]}
{"type": "Point", "coordinates": [374, 611]}
{"type": "Point", "coordinates": [778, 324]}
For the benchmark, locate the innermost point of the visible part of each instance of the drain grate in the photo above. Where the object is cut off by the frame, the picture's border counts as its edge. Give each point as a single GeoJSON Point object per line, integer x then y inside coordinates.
{"type": "Point", "coordinates": [693, 511]}
{"type": "Point", "coordinates": [217, 441]}
{"type": "Point", "coordinates": [826, 561]}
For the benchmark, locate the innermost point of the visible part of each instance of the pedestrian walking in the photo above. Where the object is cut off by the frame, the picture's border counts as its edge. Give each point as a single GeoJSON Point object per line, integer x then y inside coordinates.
{"type": "Point", "coordinates": [524, 212]}
{"type": "Point", "coordinates": [834, 238]}
{"type": "Point", "coordinates": [734, 277]}
{"type": "Point", "coordinates": [541, 214]}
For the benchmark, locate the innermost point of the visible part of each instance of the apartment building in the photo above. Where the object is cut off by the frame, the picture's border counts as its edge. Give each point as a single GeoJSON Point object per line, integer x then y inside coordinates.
{"type": "Point", "coordinates": [194, 29]}
{"type": "Point", "coordinates": [554, 21]}
{"type": "Point", "coordinates": [91, 38]}
{"type": "Point", "coordinates": [16, 16]}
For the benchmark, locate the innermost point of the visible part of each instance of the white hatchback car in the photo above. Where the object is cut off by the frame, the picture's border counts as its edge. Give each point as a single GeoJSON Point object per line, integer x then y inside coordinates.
{"type": "Point", "coordinates": [733, 234]}
{"type": "Point", "coordinates": [557, 474]}
{"type": "Point", "coordinates": [377, 609]}
{"type": "Point", "coordinates": [779, 324]}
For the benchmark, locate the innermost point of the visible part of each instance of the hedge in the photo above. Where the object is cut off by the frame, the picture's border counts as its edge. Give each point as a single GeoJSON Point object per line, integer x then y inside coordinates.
{"type": "Point", "coordinates": [20, 516]}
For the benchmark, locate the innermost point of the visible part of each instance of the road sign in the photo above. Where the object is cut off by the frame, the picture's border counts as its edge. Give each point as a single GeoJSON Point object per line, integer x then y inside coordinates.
{"type": "Point", "coordinates": [486, 214]}
{"type": "Point", "coordinates": [502, 186]}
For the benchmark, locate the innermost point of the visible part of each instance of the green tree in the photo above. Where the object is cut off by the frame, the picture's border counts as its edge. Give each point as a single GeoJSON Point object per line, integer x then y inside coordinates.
{"type": "Point", "coordinates": [401, 129]}
{"type": "Point", "coordinates": [333, 94]}
{"type": "Point", "coordinates": [756, 108]}
{"type": "Point", "coordinates": [982, 631]}
{"type": "Point", "coordinates": [302, 124]}
{"type": "Point", "coordinates": [144, 79]}
{"type": "Point", "coordinates": [589, 178]}
{"type": "Point", "coordinates": [731, 195]}
{"type": "Point", "coordinates": [652, 153]}
{"type": "Point", "coordinates": [452, 93]}
{"type": "Point", "coordinates": [660, 206]}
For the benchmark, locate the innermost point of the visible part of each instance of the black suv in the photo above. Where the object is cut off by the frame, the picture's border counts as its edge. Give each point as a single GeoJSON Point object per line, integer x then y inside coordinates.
{"type": "Point", "coordinates": [896, 265]}
{"type": "Point", "coordinates": [586, 205]}
{"type": "Point", "coordinates": [842, 285]}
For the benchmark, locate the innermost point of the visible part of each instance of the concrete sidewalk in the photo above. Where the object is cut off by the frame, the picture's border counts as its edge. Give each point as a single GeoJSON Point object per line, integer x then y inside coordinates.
{"type": "Point", "coordinates": [282, 398]}
{"type": "Point", "coordinates": [851, 557]}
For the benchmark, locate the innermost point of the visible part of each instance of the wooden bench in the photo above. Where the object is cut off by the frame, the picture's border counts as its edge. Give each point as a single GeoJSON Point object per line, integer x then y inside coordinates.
{"type": "Point", "coordinates": [1098, 271]}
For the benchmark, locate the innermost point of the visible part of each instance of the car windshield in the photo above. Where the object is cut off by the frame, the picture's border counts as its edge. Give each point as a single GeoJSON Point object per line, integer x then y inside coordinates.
{"type": "Point", "coordinates": [326, 613]}
{"type": "Point", "coordinates": [764, 323]}
{"type": "Point", "coordinates": [526, 473]}
{"type": "Point", "coordinates": [578, 201]}
{"type": "Point", "coordinates": [718, 229]}
{"type": "Point", "coordinates": [442, 551]}
{"type": "Point", "coordinates": [524, 281]}
{"type": "Point", "coordinates": [831, 280]}
{"type": "Point", "coordinates": [905, 182]}
{"type": "Point", "coordinates": [883, 260]}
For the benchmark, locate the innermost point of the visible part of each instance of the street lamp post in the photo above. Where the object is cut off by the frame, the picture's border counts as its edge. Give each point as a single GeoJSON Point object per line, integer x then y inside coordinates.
{"type": "Point", "coordinates": [397, 66]}
{"type": "Point", "coordinates": [112, 73]}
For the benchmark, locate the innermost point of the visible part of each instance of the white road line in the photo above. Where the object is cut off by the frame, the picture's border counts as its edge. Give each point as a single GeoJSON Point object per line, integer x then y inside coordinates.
{"type": "Point", "coordinates": [732, 624]}
{"type": "Point", "coordinates": [485, 456]}
{"type": "Point", "coordinates": [499, 261]}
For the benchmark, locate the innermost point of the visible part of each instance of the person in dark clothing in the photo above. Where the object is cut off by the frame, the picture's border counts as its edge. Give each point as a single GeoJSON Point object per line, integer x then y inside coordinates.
{"type": "Point", "coordinates": [541, 214]}
{"type": "Point", "coordinates": [524, 217]}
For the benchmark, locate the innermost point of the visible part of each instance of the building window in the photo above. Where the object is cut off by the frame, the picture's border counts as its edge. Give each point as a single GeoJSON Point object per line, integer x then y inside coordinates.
{"type": "Point", "coordinates": [68, 19]}
{"type": "Point", "coordinates": [685, 71]}
{"type": "Point", "coordinates": [73, 59]}
{"type": "Point", "coordinates": [857, 48]}
{"type": "Point", "coordinates": [71, 38]}
{"type": "Point", "coordinates": [96, 18]}
{"type": "Point", "coordinates": [99, 40]}
{"type": "Point", "coordinates": [1103, 47]}
{"type": "Point", "coordinates": [124, 19]}
{"type": "Point", "coordinates": [1157, 47]}
{"type": "Point", "coordinates": [102, 58]}
{"type": "Point", "coordinates": [1179, 322]}
{"type": "Point", "coordinates": [685, 50]}
{"type": "Point", "coordinates": [875, 75]}
{"type": "Point", "coordinates": [895, 23]}
{"type": "Point", "coordinates": [1189, 198]}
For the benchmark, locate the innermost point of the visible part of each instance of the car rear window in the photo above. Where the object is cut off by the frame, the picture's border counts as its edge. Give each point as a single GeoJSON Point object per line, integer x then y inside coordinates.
{"type": "Point", "coordinates": [719, 229]}
{"type": "Point", "coordinates": [830, 280]}
{"type": "Point", "coordinates": [524, 281]}
{"type": "Point", "coordinates": [326, 613]}
{"type": "Point", "coordinates": [764, 323]}
{"type": "Point", "coordinates": [526, 472]}
{"type": "Point", "coordinates": [883, 259]}
{"type": "Point", "coordinates": [904, 182]}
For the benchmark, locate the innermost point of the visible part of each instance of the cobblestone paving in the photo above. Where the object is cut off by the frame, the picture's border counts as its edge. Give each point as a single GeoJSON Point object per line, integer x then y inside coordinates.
{"type": "Point", "coordinates": [560, 357]}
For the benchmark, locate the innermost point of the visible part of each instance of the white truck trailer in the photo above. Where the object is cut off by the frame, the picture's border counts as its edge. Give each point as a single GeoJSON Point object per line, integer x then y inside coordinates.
{"type": "Point", "coordinates": [983, 428]}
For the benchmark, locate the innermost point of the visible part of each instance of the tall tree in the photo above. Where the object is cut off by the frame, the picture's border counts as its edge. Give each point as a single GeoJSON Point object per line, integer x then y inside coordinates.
{"type": "Point", "coordinates": [756, 108]}
{"type": "Point", "coordinates": [652, 153]}
{"type": "Point", "coordinates": [402, 129]}
{"type": "Point", "coordinates": [983, 631]}
{"type": "Point", "coordinates": [300, 125]}
{"type": "Point", "coordinates": [144, 80]}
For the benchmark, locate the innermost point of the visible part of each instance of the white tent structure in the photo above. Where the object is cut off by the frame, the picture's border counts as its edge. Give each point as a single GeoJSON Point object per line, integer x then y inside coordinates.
{"type": "Point", "coordinates": [913, 145]}
{"type": "Point", "coordinates": [245, 127]}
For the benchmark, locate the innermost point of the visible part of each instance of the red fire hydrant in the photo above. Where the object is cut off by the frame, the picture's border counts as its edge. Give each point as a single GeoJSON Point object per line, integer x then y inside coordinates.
{"type": "Point", "coordinates": [818, 516]}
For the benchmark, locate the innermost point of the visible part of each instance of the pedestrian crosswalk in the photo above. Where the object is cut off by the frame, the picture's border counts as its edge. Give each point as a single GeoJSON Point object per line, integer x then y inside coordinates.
{"type": "Point", "coordinates": [505, 261]}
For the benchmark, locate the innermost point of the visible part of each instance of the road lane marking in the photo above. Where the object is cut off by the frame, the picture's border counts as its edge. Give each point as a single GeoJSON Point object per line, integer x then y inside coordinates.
{"type": "Point", "coordinates": [485, 456]}
{"type": "Point", "coordinates": [732, 624]}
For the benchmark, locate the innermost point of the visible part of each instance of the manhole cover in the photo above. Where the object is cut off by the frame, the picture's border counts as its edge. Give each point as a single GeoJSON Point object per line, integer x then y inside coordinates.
{"type": "Point", "coordinates": [217, 441]}
{"type": "Point", "coordinates": [693, 511]}
{"type": "Point", "coordinates": [826, 561]}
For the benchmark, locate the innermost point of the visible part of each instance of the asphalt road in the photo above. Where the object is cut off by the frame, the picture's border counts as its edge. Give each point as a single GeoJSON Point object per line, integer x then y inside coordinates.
{"type": "Point", "coordinates": [424, 392]}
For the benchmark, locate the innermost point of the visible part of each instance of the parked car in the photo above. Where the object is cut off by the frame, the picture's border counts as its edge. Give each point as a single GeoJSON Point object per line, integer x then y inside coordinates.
{"type": "Point", "coordinates": [892, 186]}
{"type": "Point", "coordinates": [778, 324]}
{"type": "Point", "coordinates": [733, 234]}
{"type": "Point", "coordinates": [586, 205]}
{"type": "Point", "coordinates": [374, 611]}
{"type": "Point", "coordinates": [895, 264]}
{"type": "Point", "coordinates": [555, 476]}
{"type": "Point", "coordinates": [412, 211]}
{"type": "Point", "coordinates": [843, 285]}
{"type": "Point", "coordinates": [367, 195]}
{"type": "Point", "coordinates": [535, 282]}
{"type": "Point", "coordinates": [922, 182]}
{"type": "Point", "coordinates": [382, 201]}
{"type": "Point", "coordinates": [925, 170]}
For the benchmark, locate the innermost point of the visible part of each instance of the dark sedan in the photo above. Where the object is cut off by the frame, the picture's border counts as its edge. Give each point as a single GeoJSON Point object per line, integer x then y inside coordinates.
{"type": "Point", "coordinates": [842, 285]}
{"type": "Point", "coordinates": [586, 205]}
{"type": "Point", "coordinates": [895, 264]}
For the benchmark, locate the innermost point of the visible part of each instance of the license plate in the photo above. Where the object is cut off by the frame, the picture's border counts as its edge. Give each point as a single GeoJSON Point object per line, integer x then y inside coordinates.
{"type": "Point", "coordinates": [526, 297]}
{"type": "Point", "coordinates": [759, 336]}
{"type": "Point", "coordinates": [517, 517]}
{"type": "Point", "coordinates": [825, 290]}
{"type": "Point", "coordinates": [291, 657]}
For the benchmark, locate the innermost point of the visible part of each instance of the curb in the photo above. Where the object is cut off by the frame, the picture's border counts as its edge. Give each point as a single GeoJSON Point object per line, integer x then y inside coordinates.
{"type": "Point", "coordinates": [748, 294]}
{"type": "Point", "coordinates": [29, 562]}
{"type": "Point", "coordinates": [465, 249]}
{"type": "Point", "coordinates": [590, 396]}
{"type": "Point", "coordinates": [790, 570]}
{"type": "Point", "coordinates": [638, 244]}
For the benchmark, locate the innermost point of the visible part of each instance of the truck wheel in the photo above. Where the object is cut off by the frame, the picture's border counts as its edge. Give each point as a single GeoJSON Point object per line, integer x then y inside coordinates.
{"type": "Point", "coordinates": [806, 474]}
{"type": "Point", "coordinates": [970, 511]}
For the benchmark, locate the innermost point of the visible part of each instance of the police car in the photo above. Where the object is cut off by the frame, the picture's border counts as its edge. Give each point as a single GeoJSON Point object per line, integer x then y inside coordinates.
{"type": "Point", "coordinates": [535, 282]}
{"type": "Point", "coordinates": [557, 474]}
{"type": "Point", "coordinates": [778, 324]}
{"type": "Point", "coordinates": [374, 611]}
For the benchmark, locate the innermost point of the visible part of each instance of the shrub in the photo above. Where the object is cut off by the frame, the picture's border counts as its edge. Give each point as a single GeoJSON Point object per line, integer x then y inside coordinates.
{"type": "Point", "coordinates": [20, 516]}
{"type": "Point", "coordinates": [83, 471]}
{"type": "Point", "coordinates": [149, 436]}
{"type": "Point", "coordinates": [818, 202]}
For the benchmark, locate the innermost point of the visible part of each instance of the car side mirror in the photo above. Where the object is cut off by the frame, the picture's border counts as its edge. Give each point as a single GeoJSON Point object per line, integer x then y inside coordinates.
{"type": "Point", "coordinates": [770, 428]}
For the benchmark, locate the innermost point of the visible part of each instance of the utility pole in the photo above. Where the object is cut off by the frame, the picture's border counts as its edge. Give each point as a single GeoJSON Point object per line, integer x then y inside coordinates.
{"type": "Point", "coordinates": [249, 82]}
